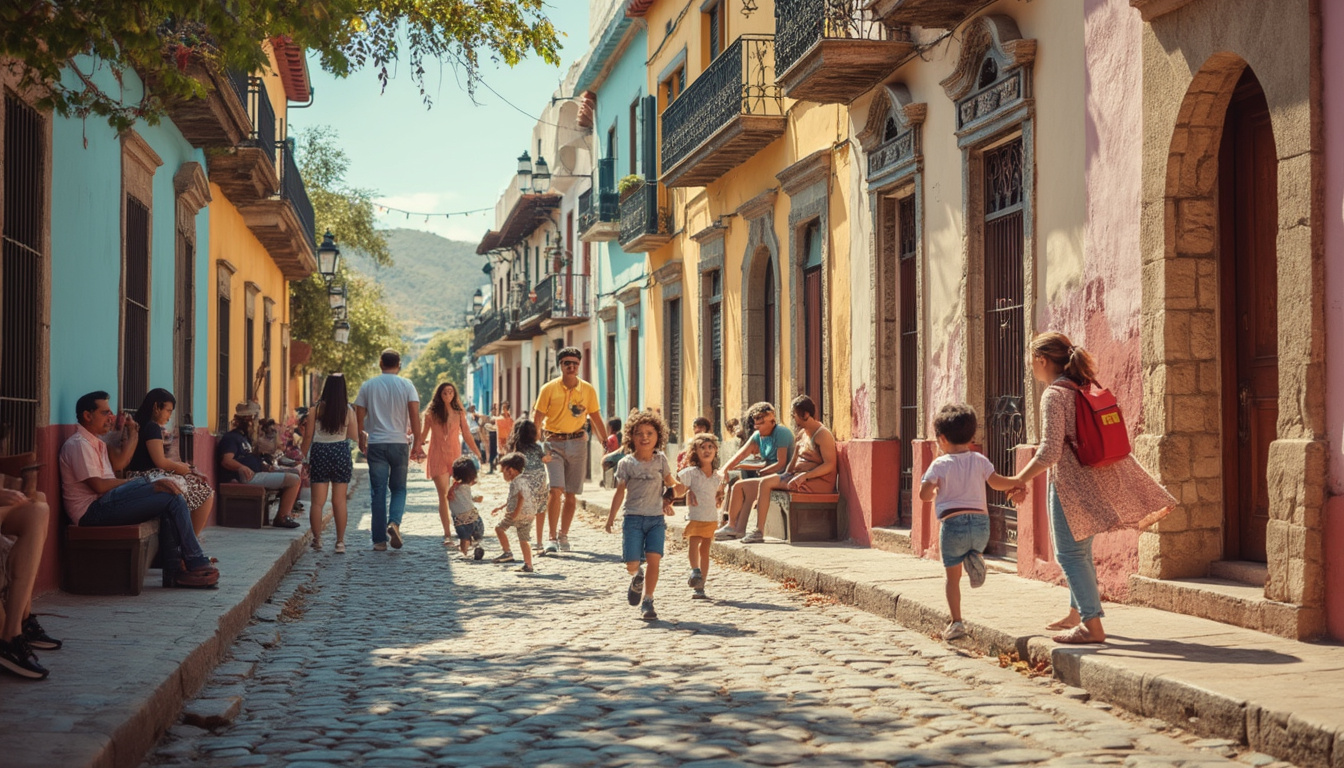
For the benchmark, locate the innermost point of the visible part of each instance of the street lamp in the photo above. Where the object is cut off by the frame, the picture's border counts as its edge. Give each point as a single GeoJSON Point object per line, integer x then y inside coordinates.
{"type": "Point", "coordinates": [336, 295]}
{"type": "Point", "coordinates": [328, 257]}
{"type": "Point", "coordinates": [340, 331]}
{"type": "Point", "coordinates": [524, 172]}
{"type": "Point", "coordinates": [477, 301]}
{"type": "Point", "coordinates": [541, 177]}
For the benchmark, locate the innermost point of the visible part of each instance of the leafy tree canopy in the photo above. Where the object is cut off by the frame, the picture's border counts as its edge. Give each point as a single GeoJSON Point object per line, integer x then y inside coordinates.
{"type": "Point", "coordinates": [158, 38]}
{"type": "Point", "coordinates": [348, 213]}
{"type": "Point", "coordinates": [440, 360]}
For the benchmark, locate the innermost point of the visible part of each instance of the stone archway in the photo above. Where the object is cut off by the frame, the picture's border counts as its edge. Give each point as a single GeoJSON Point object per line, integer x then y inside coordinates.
{"type": "Point", "coordinates": [1182, 355]}
{"type": "Point", "coordinates": [760, 321]}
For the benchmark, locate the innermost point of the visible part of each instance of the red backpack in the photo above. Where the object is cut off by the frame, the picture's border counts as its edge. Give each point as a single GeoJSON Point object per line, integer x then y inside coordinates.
{"type": "Point", "coordinates": [1102, 436]}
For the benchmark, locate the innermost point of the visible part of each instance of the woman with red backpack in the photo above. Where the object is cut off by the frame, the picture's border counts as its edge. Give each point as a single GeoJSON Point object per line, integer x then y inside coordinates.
{"type": "Point", "coordinates": [1095, 485]}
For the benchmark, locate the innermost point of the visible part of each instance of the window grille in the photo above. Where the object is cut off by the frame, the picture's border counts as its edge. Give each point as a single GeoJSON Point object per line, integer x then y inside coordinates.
{"type": "Point", "coordinates": [135, 307]}
{"type": "Point", "coordinates": [611, 374]}
{"type": "Point", "coordinates": [186, 331]}
{"type": "Point", "coordinates": [222, 366]}
{"type": "Point", "coordinates": [768, 319]}
{"type": "Point", "coordinates": [909, 346]}
{"type": "Point", "coordinates": [21, 289]}
{"type": "Point", "coordinates": [267, 332]}
{"type": "Point", "coordinates": [715, 23]}
{"type": "Point", "coordinates": [714, 307]}
{"type": "Point", "coordinates": [1004, 340]}
{"type": "Point", "coordinates": [250, 353]}
{"type": "Point", "coordinates": [634, 368]}
{"type": "Point", "coordinates": [674, 368]}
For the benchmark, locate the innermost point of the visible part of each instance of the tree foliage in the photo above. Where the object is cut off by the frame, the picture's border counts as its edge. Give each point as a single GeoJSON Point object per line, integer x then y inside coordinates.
{"type": "Point", "coordinates": [441, 360]}
{"type": "Point", "coordinates": [348, 213]}
{"type": "Point", "coordinates": [160, 38]}
{"type": "Point", "coordinates": [342, 210]}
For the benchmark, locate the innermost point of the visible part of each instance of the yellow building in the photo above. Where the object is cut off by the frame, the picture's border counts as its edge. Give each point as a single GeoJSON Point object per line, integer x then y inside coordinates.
{"type": "Point", "coordinates": [750, 249]}
{"type": "Point", "coordinates": [261, 237]}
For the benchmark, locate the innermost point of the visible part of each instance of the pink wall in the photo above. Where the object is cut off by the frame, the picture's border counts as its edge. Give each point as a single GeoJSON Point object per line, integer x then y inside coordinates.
{"type": "Point", "coordinates": [1332, 67]}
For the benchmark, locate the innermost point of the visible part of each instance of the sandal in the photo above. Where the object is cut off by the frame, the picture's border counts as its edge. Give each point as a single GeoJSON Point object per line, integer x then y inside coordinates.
{"type": "Point", "coordinates": [340, 547]}
{"type": "Point", "coordinates": [1079, 635]}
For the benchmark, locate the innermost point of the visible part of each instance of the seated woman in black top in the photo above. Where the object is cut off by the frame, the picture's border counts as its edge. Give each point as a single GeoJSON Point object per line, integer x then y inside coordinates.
{"type": "Point", "coordinates": [151, 457]}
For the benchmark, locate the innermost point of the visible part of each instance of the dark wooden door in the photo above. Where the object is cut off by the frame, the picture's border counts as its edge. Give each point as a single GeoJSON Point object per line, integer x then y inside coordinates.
{"type": "Point", "coordinates": [813, 340]}
{"type": "Point", "coordinates": [1004, 340]}
{"type": "Point", "coordinates": [633, 367]}
{"type": "Point", "coordinates": [909, 345]}
{"type": "Point", "coordinates": [673, 406]}
{"type": "Point", "coordinates": [1248, 267]}
{"type": "Point", "coordinates": [771, 311]}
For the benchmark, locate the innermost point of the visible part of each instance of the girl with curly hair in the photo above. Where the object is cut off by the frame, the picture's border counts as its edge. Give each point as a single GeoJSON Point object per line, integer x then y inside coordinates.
{"type": "Point", "coordinates": [702, 484]}
{"type": "Point", "coordinates": [641, 478]}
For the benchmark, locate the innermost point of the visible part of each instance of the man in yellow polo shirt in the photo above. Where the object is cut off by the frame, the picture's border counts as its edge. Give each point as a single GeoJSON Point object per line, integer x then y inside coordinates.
{"type": "Point", "coordinates": [563, 406]}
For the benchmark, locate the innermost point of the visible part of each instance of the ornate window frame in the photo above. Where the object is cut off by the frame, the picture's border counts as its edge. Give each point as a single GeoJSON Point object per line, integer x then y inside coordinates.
{"type": "Point", "coordinates": [759, 213]}
{"type": "Point", "coordinates": [807, 183]}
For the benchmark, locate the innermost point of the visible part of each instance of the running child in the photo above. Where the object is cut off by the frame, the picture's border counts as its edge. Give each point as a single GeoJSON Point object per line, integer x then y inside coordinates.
{"type": "Point", "coordinates": [467, 521]}
{"type": "Point", "coordinates": [640, 480]}
{"type": "Point", "coordinates": [519, 510]}
{"type": "Point", "coordinates": [958, 478]}
{"type": "Point", "coordinates": [703, 485]}
{"type": "Point", "coordinates": [524, 440]}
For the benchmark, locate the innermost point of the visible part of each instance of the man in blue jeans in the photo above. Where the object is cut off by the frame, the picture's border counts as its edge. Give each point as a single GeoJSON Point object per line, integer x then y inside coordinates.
{"type": "Point", "coordinates": [387, 411]}
{"type": "Point", "coordinates": [94, 496]}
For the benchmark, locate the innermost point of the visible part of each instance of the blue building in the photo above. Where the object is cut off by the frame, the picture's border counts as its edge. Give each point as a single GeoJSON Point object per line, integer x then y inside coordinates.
{"type": "Point", "coordinates": [616, 75]}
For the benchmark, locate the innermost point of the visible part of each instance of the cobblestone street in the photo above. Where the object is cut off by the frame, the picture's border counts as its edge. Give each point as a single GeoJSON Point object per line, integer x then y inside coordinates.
{"type": "Point", "coordinates": [415, 657]}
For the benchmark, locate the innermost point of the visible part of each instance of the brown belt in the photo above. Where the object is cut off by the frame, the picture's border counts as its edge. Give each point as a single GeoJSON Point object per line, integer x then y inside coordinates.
{"type": "Point", "coordinates": [565, 435]}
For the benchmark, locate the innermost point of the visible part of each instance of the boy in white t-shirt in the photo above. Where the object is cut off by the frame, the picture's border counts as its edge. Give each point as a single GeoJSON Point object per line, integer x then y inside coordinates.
{"type": "Point", "coordinates": [958, 478]}
{"type": "Point", "coordinates": [702, 483]}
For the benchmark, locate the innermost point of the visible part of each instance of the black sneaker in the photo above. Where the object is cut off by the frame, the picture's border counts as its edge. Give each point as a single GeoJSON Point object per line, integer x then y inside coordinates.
{"type": "Point", "coordinates": [479, 553]}
{"type": "Point", "coordinates": [37, 637]}
{"type": "Point", "coordinates": [636, 588]}
{"type": "Point", "coordinates": [284, 522]}
{"type": "Point", "coordinates": [18, 658]}
{"type": "Point", "coordinates": [647, 612]}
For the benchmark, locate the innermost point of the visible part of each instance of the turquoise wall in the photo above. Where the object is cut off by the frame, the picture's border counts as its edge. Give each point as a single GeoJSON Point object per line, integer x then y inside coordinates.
{"type": "Point", "coordinates": [86, 255]}
{"type": "Point", "coordinates": [616, 268]}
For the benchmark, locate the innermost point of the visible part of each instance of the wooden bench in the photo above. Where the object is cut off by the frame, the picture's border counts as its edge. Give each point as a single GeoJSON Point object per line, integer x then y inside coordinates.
{"type": "Point", "coordinates": [799, 517]}
{"type": "Point", "coordinates": [110, 559]}
{"type": "Point", "coordinates": [240, 505]}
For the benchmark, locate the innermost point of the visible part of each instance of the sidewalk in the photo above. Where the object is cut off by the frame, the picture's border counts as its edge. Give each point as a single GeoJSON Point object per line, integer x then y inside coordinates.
{"type": "Point", "coordinates": [1281, 697]}
{"type": "Point", "coordinates": [129, 663]}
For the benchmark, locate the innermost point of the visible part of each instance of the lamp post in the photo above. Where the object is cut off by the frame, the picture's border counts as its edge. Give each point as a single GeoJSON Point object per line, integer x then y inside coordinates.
{"type": "Point", "coordinates": [541, 176]}
{"type": "Point", "coordinates": [532, 180]}
{"type": "Point", "coordinates": [340, 331]}
{"type": "Point", "coordinates": [477, 301]}
{"type": "Point", "coordinates": [524, 172]}
{"type": "Point", "coordinates": [328, 257]}
{"type": "Point", "coordinates": [337, 297]}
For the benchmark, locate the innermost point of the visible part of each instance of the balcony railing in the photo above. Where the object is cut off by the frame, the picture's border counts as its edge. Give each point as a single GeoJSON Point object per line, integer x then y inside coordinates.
{"type": "Point", "coordinates": [293, 190]}
{"type": "Point", "coordinates": [560, 299]}
{"type": "Point", "coordinates": [739, 84]}
{"type": "Point", "coordinates": [800, 24]}
{"type": "Point", "coordinates": [491, 327]}
{"type": "Point", "coordinates": [601, 204]}
{"type": "Point", "coordinates": [262, 115]}
{"type": "Point", "coordinates": [832, 51]}
{"type": "Point", "coordinates": [644, 226]}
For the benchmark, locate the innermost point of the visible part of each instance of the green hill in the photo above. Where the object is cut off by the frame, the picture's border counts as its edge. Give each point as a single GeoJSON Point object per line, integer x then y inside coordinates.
{"type": "Point", "coordinates": [431, 281]}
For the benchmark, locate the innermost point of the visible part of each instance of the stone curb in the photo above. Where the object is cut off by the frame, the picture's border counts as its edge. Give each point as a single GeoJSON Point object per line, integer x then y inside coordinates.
{"type": "Point", "coordinates": [1283, 735]}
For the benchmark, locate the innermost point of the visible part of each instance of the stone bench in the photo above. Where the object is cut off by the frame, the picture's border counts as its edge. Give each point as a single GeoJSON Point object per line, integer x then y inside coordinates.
{"type": "Point", "coordinates": [109, 559]}
{"type": "Point", "coordinates": [800, 517]}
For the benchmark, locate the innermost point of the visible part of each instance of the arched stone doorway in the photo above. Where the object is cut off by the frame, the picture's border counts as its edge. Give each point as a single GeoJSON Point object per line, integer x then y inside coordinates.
{"type": "Point", "coordinates": [760, 311]}
{"type": "Point", "coordinates": [1232, 335]}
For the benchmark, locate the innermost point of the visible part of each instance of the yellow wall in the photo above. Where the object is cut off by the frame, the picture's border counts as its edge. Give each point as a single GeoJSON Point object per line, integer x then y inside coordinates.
{"type": "Point", "coordinates": [810, 127]}
{"type": "Point", "coordinates": [232, 241]}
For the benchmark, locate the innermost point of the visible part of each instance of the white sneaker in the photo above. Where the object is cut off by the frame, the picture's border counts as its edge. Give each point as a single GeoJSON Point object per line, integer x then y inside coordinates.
{"type": "Point", "coordinates": [552, 547]}
{"type": "Point", "coordinates": [754, 537]}
{"type": "Point", "coordinates": [726, 532]}
{"type": "Point", "coordinates": [975, 569]}
{"type": "Point", "coordinates": [954, 631]}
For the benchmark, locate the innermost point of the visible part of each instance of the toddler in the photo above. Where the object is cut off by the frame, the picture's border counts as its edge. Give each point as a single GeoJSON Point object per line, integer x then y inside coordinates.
{"type": "Point", "coordinates": [519, 510]}
{"type": "Point", "coordinates": [640, 479]}
{"type": "Point", "coordinates": [467, 521]}
{"type": "Point", "coordinates": [957, 478]}
{"type": "Point", "coordinates": [523, 440]}
{"type": "Point", "coordinates": [703, 485]}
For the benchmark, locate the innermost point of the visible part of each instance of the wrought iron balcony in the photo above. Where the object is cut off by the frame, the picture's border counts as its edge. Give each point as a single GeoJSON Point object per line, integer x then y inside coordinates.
{"type": "Point", "coordinates": [561, 299]}
{"type": "Point", "coordinates": [248, 172]}
{"type": "Point", "coordinates": [644, 225]}
{"type": "Point", "coordinates": [600, 207]}
{"type": "Point", "coordinates": [832, 51]}
{"type": "Point", "coordinates": [293, 190]}
{"type": "Point", "coordinates": [284, 224]}
{"type": "Point", "coordinates": [490, 328]}
{"type": "Point", "coordinates": [731, 112]}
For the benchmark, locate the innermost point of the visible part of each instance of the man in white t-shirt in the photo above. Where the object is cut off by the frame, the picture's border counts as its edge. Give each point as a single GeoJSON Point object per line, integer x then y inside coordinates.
{"type": "Point", "coordinates": [387, 412]}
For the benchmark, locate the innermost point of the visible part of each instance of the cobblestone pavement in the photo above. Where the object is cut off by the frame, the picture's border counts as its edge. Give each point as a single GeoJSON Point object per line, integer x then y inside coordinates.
{"type": "Point", "coordinates": [414, 658]}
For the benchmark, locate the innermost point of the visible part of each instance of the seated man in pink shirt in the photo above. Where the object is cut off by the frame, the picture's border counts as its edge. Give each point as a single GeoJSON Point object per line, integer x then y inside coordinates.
{"type": "Point", "coordinates": [94, 496]}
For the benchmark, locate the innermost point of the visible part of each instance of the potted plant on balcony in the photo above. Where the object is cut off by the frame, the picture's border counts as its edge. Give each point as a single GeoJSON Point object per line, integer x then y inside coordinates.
{"type": "Point", "coordinates": [628, 184]}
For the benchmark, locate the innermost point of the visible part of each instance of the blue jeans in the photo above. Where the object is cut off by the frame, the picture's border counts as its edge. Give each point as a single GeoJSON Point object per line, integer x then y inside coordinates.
{"type": "Point", "coordinates": [136, 502]}
{"type": "Point", "coordinates": [388, 463]}
{"type": "Point", "coordinates": [1075, 559]}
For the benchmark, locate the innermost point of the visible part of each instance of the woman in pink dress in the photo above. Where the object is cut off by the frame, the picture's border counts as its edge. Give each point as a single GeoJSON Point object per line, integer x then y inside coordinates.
{"type": "Point", "coordinates": [447, 426]}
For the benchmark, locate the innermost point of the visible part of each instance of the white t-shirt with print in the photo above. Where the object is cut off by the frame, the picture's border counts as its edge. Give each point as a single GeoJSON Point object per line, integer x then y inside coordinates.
{"type": "Point", "coordinates": [706, 488]}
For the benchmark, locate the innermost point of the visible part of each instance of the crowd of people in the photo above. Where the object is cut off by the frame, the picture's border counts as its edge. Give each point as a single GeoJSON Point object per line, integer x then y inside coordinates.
{"type": "Point", "coordinates": [544, 459]}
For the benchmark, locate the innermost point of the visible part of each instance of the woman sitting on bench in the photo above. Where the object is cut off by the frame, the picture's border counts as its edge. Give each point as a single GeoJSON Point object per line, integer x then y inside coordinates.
{"type": "Point", "coordinates": [150, 458]}
{"type": "Point", "coordinates": [812, 470]}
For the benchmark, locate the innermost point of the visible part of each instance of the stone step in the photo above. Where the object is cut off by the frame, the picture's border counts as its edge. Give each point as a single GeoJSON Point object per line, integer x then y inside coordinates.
{"type": "Point", "coordinates": [1240, 571]}
{"type": "Point", "coordinates": [1222, 600]}
{"type": "Point", "coordinates": [892, 540]}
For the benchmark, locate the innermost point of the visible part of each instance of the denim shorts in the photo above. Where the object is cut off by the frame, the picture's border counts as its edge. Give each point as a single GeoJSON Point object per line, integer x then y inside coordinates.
{"type": "Point", "coordinates": [961, 535]}
{"type": "Point", "coordinates": [641, 534]}
{"type": "Point", "coordinates": [473, 531]}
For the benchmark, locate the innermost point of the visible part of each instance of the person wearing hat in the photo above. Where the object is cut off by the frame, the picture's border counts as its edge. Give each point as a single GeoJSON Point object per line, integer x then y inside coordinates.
{"type": "Point", "coordinates": [240, 464]}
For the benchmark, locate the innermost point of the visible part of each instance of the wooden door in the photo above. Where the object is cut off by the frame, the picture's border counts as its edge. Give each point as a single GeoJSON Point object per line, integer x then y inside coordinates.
{"type": "Point", "coordinates": [1248, 268]}
{"type": "Point", "coordinates": [813, 386]}
{"type": "Point", "coordinates": [909, 346]}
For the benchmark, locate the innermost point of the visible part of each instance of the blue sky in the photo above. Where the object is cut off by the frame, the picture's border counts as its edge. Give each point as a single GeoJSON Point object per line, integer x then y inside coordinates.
{"type": "Point", "coordinates": [454, 156]}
